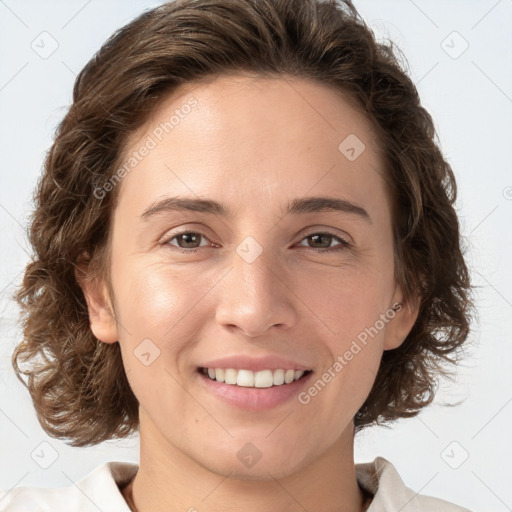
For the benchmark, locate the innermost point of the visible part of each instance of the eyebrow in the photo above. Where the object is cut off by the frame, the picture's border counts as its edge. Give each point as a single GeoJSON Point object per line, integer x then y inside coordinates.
{"type": "Point", "coordinates": [297, 206]}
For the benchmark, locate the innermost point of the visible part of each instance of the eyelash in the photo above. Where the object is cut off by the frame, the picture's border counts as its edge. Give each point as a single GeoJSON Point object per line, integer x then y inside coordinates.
{"type": "Point", "coordinates": [343, 245]}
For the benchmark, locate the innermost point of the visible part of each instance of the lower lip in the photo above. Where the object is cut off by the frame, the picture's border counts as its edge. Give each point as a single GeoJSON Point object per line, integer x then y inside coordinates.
{"type": "Point", "coordinates": [254, 399]}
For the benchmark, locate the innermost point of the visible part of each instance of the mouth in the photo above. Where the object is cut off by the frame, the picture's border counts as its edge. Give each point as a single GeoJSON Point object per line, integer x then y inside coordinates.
{"type": "Point", "coordinates": [254, 379]}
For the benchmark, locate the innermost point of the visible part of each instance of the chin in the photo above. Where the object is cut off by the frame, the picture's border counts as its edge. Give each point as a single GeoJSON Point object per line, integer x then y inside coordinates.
{"type": "Point", "coordinates": [260, 472]}
{"type": "Point", "coordinates": [251, 463]}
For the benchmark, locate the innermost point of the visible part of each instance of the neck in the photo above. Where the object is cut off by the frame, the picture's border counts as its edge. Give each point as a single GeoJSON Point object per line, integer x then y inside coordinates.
{"type": "Point", "coordinates": [170, 480]}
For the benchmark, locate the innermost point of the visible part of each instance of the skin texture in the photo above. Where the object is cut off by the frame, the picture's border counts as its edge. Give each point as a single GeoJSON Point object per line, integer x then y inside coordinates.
{"type": "Point", "coordinates": [254, 145]}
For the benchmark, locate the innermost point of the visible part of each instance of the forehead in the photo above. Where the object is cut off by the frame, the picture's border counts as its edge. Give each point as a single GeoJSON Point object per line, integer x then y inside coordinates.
{"type": "Point", "coordinates": [254, 139]}
{"type": "Point", "coordinates": [298, 107]}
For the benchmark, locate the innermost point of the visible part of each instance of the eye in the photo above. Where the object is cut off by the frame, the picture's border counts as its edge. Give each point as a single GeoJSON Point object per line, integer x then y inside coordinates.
{"type": "Point", "coordinates": [189, 239]}
{"type": "Point", "coordinates": [190, 242]}
{"type": "Point", "coordinates": [324, 240]}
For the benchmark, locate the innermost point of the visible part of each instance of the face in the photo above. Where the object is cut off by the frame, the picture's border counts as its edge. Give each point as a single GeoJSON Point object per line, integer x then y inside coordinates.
{"type": "Point", "coordinates": [266, 280]}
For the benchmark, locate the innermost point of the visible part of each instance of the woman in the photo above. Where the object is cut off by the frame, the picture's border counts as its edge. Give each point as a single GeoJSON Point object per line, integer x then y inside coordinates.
{"type": "Point", "coordinates": [246, 250]}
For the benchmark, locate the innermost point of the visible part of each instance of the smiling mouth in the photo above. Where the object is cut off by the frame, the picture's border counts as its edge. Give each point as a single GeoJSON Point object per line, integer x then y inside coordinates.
{"type": "Point", "coordinates": [249, 379]}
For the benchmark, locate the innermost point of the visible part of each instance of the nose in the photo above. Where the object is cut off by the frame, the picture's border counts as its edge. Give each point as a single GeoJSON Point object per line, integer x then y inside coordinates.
{"type": "Point", "coordinates": [256, 296]}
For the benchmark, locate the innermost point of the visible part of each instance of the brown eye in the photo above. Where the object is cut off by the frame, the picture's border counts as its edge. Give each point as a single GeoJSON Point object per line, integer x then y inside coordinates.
{"type": "Point", "coordinates": [319, 241]}
{"type": "Point", "coordinates": [187, 240]}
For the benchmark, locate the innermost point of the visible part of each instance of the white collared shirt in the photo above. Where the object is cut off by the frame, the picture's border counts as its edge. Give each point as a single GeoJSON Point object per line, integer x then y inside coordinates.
{"type": "Point", "coordinates": [99, 490]}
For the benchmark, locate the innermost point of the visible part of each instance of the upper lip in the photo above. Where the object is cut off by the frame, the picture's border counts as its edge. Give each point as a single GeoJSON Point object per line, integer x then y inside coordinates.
{"type": "Point", "coordinates": [241, 362]}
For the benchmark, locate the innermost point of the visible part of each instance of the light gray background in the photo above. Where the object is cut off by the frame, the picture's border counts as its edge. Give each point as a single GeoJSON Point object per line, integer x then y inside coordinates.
{"type": "Point", "coordinates": [469, 94]}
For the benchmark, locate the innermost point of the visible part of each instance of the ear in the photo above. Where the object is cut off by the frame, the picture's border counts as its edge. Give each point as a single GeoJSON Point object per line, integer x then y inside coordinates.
{"type": "Point", "coordinates": [405, 315]}
{"type": "Point", "coordinates": [101, 314]}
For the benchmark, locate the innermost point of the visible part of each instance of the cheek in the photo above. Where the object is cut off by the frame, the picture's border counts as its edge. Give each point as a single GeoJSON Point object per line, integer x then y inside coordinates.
{"type": "Point", "coordinates": [352, 310]}
{"type": "Point", "coordinates": [156, 302]}
{"type": "Point", "coordinates": [347, 301]}
{"type": "Point", "coordinates": [337, 392]}
{"type": "Point", "coordinates": [159, 317]}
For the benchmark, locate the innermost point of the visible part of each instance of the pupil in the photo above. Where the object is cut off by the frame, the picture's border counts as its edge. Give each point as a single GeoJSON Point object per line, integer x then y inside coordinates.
{"type": "Point", "coordinates": [190, 238]}
{"type": "Point", "coordinates": [186, 237]}
{"type": "Point", "coordinates": [316, 237]}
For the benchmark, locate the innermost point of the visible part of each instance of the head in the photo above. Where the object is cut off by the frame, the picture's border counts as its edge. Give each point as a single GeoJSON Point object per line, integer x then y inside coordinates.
{"type": "Point", "coordinates": [257, 105]}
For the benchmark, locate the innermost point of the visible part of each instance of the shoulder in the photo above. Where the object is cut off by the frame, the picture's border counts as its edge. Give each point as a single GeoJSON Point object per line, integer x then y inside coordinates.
{"type": "Point", "coordinates": [381, 479]}
{"type": "Point", "coordinates": [98, 490]}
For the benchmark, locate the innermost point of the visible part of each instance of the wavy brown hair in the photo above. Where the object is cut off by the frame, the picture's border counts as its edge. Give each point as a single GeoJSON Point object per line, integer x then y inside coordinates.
{"type": "Point", "coordinates": [78, 384]}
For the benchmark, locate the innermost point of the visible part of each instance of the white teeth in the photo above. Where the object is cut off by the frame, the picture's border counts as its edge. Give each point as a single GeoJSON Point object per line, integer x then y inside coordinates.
{"type": "Point", "coordinates": [289, 376]}
{"type": "Point", "coordinates": [278, 377]}
{"type": "Point", "coordinates": [263, 379]}
{"type": "Point", "coordinates": [298, 374]}
{"type": "Point", "coordinates": [250, 379]}
{"type": "Point", "coordinates": [229, 376]}
{"type": "Point", "coordinates": [244, 378]}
